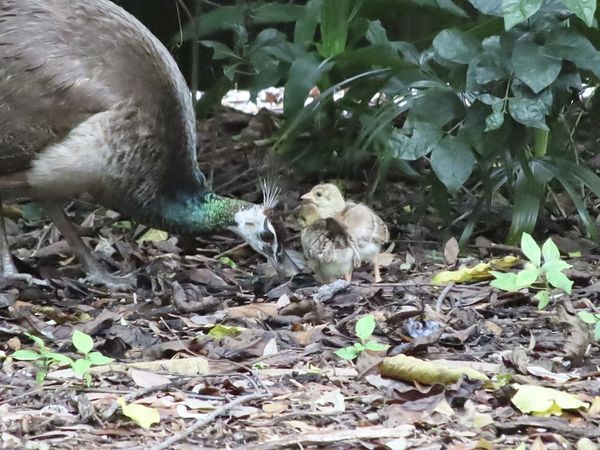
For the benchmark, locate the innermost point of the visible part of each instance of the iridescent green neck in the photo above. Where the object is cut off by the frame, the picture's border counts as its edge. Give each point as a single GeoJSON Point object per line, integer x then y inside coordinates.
{"type": "Point", "coordinates": [199, 213]}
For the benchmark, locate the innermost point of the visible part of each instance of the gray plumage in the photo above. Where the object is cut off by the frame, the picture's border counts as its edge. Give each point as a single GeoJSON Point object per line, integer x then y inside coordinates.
{"type": "Point", "coordinates": [66, 64]}
{"type": "Point", "coordinates": [91, 101]}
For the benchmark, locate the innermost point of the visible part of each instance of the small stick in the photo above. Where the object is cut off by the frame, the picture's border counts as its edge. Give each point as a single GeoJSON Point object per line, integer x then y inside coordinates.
{"type": "Point", "coordinates": [202, 422]}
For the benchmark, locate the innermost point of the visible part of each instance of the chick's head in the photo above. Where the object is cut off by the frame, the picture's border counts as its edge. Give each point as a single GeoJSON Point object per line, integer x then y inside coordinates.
{"type": "Point", "coordinates": [327, 199]}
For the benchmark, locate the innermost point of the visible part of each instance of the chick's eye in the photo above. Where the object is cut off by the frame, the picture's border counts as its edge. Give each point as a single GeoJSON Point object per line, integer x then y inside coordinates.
{"type": "Point", "coordinates": [250, 224]}
{"type": "Point", "coordinates": [318, 194]}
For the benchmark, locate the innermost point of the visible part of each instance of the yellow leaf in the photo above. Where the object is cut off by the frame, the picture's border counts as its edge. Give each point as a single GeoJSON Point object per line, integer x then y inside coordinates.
{"type": "Point", "coordinates": [153, 235]}
{"type": "Point", "coordinates": [477, 273]}
{"type": "Point", "coordinates": [407, 368]}
{"type": "Point", "coordinates": [140, 414]}
{"type": "Point", "coordinates": [542, 401]}
{"type": "Point", "coordinates": [220, 331]}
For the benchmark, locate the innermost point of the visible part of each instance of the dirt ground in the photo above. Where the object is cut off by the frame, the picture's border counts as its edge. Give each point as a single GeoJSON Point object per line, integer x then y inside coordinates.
{"type": "Point", "coordinates": [230, 356]}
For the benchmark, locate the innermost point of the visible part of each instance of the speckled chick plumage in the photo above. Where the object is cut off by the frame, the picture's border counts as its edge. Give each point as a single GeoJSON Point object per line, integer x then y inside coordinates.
{"type": "Point", "coordinates": [367, 229]}
{"type": "Point", "coordinates": [329, 249]}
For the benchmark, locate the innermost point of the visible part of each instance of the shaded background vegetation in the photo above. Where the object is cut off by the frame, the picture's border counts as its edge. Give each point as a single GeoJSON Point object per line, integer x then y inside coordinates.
{"type": "Point", "coordinates": [484, 103]}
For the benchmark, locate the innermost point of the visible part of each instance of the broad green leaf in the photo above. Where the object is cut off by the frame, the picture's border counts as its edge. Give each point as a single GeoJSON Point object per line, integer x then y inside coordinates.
{"type": "Point", "coordinates": [543, 299]}
{"type": "Point", "coordinates": [26, 355]}
{"type": "Point", "coordinates": [584, 9]}
{"type": "Point", "coordinates": [486, 68]}
{"type": "Point", "coordinates": [559, 280]}
{"type": "Point", "coordinates": [517, 11]}
{"type": "Point", "coordinates": [452, 161]}
{"type": "Point", "coordinates": [531, 113]}
{"type": "Point", "coordinates": [376, 346]}
{"type": "Point", "coordinates": [37, 341]}
{"type": "Point", "coordinates": [424, 138]}
{"type": "Point", "coordinates": [527, 277]}
{"type": "Point", "coordinates": [303, 76]}
{"type": "Point", "coordinates": [504, 281]}
{"type": "Point", "coordinates": [555, 266]}
{"type": "Point", "coordinates": [140, 414]}
{"type": "Point", "coordinates": [494, 121]}
{"type": "Point", "coordinates": [491, 8]}
{"type": "Point", "coordinates": [304, 31]}
{"type": "Point", "coordinates": [588, 317]}
{"type": "Point", "coordinates": [376, 34]}
{"type": "Point", "coordinates": [220, 50]}
{"type": "Point", "coordinates": [365, 326]}
{"type": "Point", "coordinates": [570, 45]}
{"type": "Point", "coordinates": [334, 27]}
{"type": "Point", "coordinates": [437, 107]}
{"type": "Point", "coordinates": [276, 13]}
{"type": "Point", "coordinates": [81, 366]}
{"type": "Point", "coordinates": [82, 342]}
{"type": "Point", "coordinates": [533, 66]}
{"type": "Point", "coordinates": [348, 353]}
{"type": "Point", "coordinates": [98, 359]}
{"type": "Point", "coordinates": [359, 347]}
{"type": "Point", "coordinates": [550, 251]}
{"type": "Point", "coordinates": [456, 46]}
{"type": "Point", "coordinates": [58, 357]}
{"type": "Point", "coordinates": [531, 249]}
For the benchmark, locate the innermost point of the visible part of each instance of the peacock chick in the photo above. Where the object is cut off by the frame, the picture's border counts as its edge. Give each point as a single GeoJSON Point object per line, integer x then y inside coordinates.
{"type": "Point", "coordinates": [329, 249]}
{"type": "Point", "coordinates": [366, 228]}
{"type": "Point", "coordinates": [108, 114]}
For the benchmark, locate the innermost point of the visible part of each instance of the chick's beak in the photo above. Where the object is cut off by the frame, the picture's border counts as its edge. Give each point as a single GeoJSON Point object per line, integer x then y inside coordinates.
{"type": "Point", "coordinates": [308, 197]}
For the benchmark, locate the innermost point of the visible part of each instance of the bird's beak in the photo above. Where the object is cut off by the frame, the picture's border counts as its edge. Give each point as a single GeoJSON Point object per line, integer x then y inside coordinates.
{"type": "Point", "coordinates": [308, 197]}
{"type": "Point", "coordinates": [277, 265]}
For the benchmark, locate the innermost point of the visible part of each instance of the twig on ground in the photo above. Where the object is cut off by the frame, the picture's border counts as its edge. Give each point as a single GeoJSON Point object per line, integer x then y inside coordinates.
{"type": "Point", "coordinates": [209, 418]}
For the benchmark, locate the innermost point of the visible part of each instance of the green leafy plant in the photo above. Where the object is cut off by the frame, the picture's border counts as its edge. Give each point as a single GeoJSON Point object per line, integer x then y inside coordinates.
{"type": "Point", "coordinates": [543, 271]}
{"type": "Point", "coordinates": [364, 329]}
{"type": "Point", "coordinates": [481, 91]}
{"type": "Point", "coordinates": [591, 319]}
{"type": "Point", "coordinates": [44, 358]}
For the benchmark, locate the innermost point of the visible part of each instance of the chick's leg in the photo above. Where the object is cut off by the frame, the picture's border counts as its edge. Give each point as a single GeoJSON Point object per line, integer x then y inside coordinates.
{"type": "Point", "coordinates": [376, 273]}
{"type": "Point", "coordinates": [348, 276]}
{"type": "Point", "coordinates": [95, 272]}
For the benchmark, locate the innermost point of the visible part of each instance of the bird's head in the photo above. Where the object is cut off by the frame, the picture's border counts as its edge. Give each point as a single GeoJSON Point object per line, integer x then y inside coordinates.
{"type": "Point", "coordinates": [261, 227]}
{"type": "Point", "coordinates": [254, 226]}
{"type": "Point", "coordinates": [327, 198]}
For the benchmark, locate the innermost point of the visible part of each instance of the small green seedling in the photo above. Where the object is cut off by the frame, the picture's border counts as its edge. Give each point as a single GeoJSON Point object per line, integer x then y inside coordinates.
{"type": "Point", "coordinates": [546, 276]}
{"type": "Point", "coordinates": [592, 319]}
{"type": "Point", "coordinates": [364, 329]}
{"type": "Point", "coordinates": [44, 358]}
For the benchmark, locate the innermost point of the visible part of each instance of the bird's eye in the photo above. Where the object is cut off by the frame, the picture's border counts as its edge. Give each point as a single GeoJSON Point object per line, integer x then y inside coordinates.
{"type": "Point", "coordinates": [267, 236]}
{"type": "Point", "coordinates": [250, 224]}
{"type": "Point", "coordinates": [318, 194]}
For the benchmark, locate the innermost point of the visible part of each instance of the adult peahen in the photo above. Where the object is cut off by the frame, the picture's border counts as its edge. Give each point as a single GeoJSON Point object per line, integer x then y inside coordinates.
{"type": "Point", "coordinates": [91, 101]}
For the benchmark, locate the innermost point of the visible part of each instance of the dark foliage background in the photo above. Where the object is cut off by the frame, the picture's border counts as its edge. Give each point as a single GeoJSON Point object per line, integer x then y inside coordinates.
{"type": "Point", "coordinates": [484, 103]}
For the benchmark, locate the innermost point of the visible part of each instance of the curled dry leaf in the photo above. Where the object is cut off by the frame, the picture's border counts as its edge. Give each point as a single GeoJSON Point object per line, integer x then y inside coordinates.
{"type": "Point", "coordinates": [408, 368]}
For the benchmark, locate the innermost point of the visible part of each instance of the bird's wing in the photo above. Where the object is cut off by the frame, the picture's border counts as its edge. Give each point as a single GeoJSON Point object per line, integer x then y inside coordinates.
{"type": "Point", "coordinates": [62, 61]}
{"type": "Point", "coordinates": [327, 241]}
{"type": "Point", "coordinates": [363, 224]}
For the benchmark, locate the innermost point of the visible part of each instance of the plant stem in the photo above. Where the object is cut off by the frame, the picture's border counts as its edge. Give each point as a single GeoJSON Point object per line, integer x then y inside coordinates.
{"type": "Point", "coordinates": [540, 142]}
